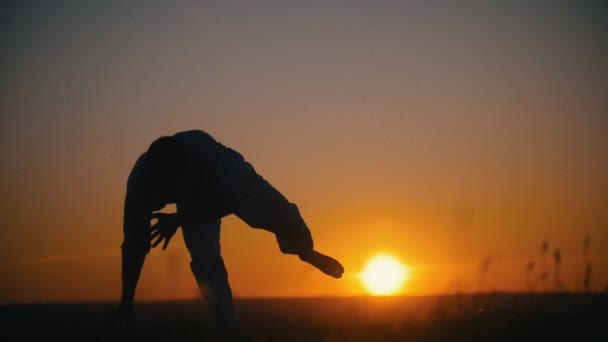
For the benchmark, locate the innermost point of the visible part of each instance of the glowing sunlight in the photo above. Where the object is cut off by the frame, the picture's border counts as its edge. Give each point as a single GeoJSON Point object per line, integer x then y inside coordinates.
{"type": "Point", "coordinates": [384, 275]}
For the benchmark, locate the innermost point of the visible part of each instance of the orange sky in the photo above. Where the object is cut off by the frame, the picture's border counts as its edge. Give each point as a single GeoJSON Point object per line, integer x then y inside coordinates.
{"type": "Point", "coordinates": [441, 135]}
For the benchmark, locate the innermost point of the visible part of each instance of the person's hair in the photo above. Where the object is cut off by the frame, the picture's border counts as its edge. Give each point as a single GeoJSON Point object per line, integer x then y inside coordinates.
{"type": "Point", "coordinates": [167, 156]}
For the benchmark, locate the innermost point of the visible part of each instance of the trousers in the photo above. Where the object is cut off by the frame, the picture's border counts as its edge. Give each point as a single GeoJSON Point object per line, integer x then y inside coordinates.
{"type": "Point", "coordinates": [207, 265]}
{"type": "Point", "coordinates": [259, 205]}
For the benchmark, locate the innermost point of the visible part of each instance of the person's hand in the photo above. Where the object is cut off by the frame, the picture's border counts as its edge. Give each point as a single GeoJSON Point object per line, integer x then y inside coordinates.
{"type": "Point", "coordinates": [324, 263]}
{"type": "Point", "coordinates": [164, 229]}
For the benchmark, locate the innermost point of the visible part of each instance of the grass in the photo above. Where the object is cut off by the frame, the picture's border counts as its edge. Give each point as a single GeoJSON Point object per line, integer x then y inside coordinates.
{"type": "Point", "coordinates": [483, 317]}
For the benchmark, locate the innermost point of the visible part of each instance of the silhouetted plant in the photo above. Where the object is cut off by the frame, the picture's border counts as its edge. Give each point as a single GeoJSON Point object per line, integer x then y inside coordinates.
{"type": "Point", "coordinates": [484, 267]}
{"type": "Point", "coordinates": [587, 279]}
{"type": "Point", "coordinates": [529, 271]}
{"type": "Point", "coordinates": [557, 255]}
{"type": "Point", "coordinates": [544, 275]}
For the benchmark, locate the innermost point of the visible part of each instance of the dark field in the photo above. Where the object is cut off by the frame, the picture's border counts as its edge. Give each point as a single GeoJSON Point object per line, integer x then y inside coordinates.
{"type": "Point", "coordinates": [491, 317]}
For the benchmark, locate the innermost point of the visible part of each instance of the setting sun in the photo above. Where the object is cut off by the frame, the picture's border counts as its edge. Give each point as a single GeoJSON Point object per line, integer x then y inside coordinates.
{"type": "Point", "coordinates": [384, 275]}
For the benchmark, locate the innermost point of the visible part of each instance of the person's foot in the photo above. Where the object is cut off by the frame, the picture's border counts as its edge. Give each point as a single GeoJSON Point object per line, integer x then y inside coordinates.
{"type": "Point", "coordinates": [324, 263]}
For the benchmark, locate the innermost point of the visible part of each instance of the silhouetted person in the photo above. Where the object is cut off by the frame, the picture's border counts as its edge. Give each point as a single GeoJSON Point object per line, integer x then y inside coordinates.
{"type": "Point", "coordinates": [207, 181]}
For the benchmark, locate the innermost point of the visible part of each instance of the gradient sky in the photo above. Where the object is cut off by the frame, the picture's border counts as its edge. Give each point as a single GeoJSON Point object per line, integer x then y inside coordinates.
{"type": "Point", "coordinates": [440, 132]}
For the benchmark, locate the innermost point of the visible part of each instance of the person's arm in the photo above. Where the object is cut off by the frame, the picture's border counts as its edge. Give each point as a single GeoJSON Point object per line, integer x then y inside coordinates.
{"type": "Point", "coordinates": [135, 246]}
{"type": "Point", "coordinates": [136, 239]}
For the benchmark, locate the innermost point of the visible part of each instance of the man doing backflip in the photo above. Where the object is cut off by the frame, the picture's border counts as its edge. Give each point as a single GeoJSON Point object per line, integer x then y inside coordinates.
{"type": "Point", "coordinates": [207, 181]}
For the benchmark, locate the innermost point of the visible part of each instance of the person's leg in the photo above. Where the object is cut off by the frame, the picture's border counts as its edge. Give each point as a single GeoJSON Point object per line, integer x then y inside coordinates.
{"type": "Point", "coordinates": [203, 243]}
{"type": "Point", "coordinates": [264, 207]}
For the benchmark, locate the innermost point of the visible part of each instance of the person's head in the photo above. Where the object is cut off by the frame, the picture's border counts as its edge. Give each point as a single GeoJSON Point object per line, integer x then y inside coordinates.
{"type": "Point", "coordinates": [167, 157]}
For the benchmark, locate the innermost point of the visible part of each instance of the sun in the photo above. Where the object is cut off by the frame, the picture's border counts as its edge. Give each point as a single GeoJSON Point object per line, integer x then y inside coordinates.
{"type": "Point", "coordinates": [384, 275]}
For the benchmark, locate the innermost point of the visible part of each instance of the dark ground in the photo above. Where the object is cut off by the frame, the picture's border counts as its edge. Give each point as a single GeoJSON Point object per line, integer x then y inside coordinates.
{"type": "Point", "coordinates": [490, 317]}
